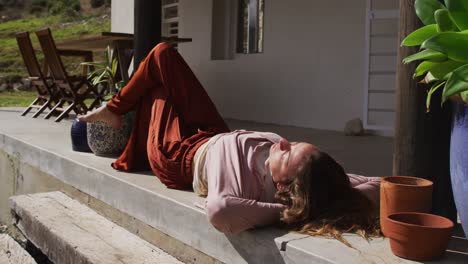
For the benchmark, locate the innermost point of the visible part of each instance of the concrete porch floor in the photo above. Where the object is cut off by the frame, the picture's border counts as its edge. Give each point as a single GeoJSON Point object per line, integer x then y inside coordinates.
{"type": "Point", "coordinates": [368, 155]}
{"type": "Point", "coordinates": [36, 151]}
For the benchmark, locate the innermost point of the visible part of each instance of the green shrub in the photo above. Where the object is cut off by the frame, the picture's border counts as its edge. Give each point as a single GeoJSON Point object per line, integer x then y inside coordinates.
{"type": "Point", "coordinates": [36, 10]}
{"type": "Point", "coordinates": [13, 78]}
{"type": "Point", "coordinates": [97, 3]}
{"type": "Point", "coordinates": [38, 6]}
{"type": "Point", "coordinates": [12, 3]}
{"type": "Point", "coordinates": [40, 3]}
{"type": "Point", "coordinates": [67, 7]}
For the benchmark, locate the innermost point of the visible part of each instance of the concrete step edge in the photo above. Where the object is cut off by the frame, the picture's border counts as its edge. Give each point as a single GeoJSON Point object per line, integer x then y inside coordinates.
{"type": "Point", "coordinates": [69, 232]}
{"type": "Point", "coordinates": [12, 253]}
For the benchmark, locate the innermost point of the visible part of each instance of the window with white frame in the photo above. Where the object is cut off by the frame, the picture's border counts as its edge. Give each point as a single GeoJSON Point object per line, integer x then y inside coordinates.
{"type": "Point", "coordinates": [380, 60]}
{"type": "Point", "coordinates": [250, 26]}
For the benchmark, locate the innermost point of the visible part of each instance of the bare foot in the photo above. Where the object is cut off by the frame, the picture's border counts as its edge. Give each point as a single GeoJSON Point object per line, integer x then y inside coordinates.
{"type": "Point", "coordinates": [102, 114]}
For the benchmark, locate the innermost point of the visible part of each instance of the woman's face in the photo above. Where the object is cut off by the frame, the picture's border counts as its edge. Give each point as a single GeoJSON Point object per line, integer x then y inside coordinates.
{"type": "Point", "coordinates": [286, 158]}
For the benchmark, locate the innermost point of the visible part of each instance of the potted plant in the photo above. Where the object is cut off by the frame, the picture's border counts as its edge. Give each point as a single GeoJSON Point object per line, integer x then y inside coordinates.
{"type": "Point", "coordinates": [104, 140]}
{"type": "Point", "coordinates": [443, 63]}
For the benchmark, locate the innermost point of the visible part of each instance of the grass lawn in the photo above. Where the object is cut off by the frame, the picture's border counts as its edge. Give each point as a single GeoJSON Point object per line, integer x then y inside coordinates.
{"type": "Point", "coordinates": [22, 99]}
{"type": "Point", "coordinates": [10, 98]}
{"type": "Point", "coordinates": [62, 28]}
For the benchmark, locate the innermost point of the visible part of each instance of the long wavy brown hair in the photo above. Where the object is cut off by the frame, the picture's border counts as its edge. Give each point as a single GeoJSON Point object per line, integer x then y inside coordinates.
{"type": "Point", "coordinates": [321, 202]}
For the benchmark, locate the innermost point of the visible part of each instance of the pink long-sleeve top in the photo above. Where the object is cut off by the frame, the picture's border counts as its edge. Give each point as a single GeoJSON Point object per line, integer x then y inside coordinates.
{"type": "Point", "coordinates": [240, 190]}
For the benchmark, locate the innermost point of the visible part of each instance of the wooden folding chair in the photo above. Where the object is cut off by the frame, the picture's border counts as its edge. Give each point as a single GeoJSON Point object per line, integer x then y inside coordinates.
{"type": "Point", "coordinates": [74, 89]}
{"type": "Point", "coordinates": [47, 95]}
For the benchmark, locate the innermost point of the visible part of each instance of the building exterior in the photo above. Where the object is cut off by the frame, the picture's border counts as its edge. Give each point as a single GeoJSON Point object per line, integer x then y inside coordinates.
{"type": "Point", "coordinates": [322, 63]}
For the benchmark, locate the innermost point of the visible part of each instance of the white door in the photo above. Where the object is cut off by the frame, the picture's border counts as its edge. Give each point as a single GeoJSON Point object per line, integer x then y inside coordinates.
{"type": "Point", "coordinates": [380, 65]}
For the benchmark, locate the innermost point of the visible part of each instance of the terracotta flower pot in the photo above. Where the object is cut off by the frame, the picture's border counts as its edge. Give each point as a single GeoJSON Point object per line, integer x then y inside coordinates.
{"type": "Point", "coordinates": [404, 194]}
{"type": "Point", "coordinates": [418, 236]}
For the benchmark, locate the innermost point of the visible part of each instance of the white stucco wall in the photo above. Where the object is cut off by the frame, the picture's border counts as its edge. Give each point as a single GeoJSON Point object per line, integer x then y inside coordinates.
{"type": "Point", "coordinates": [122, 16]}
{"type": "Point", "coordinates": [311, 73]}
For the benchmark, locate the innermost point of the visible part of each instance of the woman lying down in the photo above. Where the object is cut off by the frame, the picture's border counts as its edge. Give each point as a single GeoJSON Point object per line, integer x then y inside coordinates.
{"type": "Point", "coordinates": [250, 179]}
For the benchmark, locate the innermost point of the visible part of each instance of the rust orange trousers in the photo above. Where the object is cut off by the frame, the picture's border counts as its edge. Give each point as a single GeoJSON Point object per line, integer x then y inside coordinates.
{"type": "Point", "coordinates": [174, 116]}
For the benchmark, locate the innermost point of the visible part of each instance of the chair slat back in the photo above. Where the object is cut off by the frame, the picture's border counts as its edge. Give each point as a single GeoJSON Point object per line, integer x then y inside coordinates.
{"type": "Point", "coordinates": [51, 55]}
{"type": "Point", "coordinates": [28, 54]}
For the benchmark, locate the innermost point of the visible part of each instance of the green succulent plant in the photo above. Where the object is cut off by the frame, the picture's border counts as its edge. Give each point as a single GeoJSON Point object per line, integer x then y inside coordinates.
{"type": "Point", "coordinates": [443, 42]}
{"type": "Point", "coordinates": [105, 72]}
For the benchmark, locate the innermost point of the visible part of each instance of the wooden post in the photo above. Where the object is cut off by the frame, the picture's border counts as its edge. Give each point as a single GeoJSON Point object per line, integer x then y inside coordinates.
{"type": "Point", "coordinates": [147, 28]}
{"type": "Point", "coordinates": [422, 140]}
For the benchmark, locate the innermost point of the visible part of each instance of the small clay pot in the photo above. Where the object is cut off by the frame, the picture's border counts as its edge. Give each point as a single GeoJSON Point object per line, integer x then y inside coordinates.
{"type": "Point", "coordinates": [404, 194]}
{"type": "Point", "coordinates": [418, 236]}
